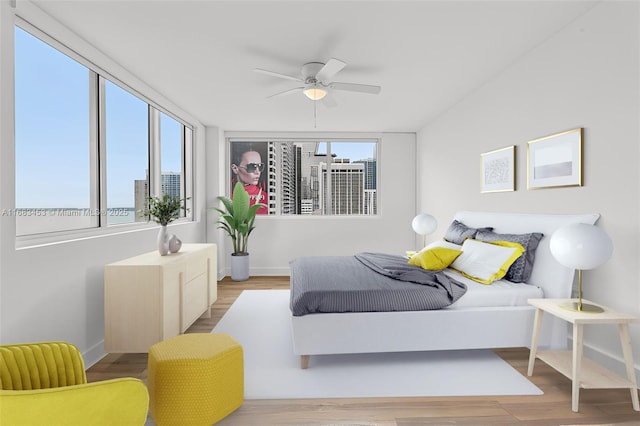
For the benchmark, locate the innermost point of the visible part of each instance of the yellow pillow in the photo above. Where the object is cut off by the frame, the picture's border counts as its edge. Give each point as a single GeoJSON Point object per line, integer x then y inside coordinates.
{"type": "Point", "coordinates": [435, 259]}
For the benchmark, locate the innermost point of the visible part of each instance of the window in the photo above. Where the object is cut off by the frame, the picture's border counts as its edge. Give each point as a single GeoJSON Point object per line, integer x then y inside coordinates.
{"type": "Point", "coordinates": [308, 177]}
{"type": "Point", "coordinates": [171, 137]}
{"type": "Point", "coordinates": [53, 139]}
{"type": "Point", "coordinates": [87, 155]}
{"type": "Point", "coordinates": [126, 138]}
{"type": "Point", "coordinates": [171, 157]}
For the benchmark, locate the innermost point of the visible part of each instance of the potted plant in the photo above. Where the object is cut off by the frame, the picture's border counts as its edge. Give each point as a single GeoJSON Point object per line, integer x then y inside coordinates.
{"type": "Point", "coordinates": [164, 210]}
{"type": "Point", "coordinates": [237, 220]}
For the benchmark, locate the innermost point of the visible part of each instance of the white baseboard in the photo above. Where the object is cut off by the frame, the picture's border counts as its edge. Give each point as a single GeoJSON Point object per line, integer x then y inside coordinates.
{"type": "Point", "coordinates": [258, 272]}
{"type": "Point", "coordinates": [609, 361]}
{"type": "Point", "coordinates": [271, 272]}
{"type": "Point", "coordinates": [94, 354]}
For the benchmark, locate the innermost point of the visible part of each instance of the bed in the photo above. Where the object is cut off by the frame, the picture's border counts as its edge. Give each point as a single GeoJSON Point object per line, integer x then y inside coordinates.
{"type": "Point", "coordinates": [477, 320]}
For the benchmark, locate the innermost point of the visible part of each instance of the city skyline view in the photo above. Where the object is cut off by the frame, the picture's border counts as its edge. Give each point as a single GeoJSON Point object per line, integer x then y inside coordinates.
{"type": "Point", "coordinates": [302, 179]}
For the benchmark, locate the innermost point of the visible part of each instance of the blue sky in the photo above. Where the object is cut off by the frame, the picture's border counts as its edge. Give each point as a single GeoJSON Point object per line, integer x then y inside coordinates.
{"type": "Point", "coordinates": [353, 151]}
{"type": "Point", "coordinates": [53, 132]}
{"type": "Point", "coordinates": [52, 127]}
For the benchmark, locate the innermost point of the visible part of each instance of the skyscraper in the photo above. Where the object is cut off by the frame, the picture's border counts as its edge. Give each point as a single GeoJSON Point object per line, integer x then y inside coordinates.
{"type": "Point", "coordinates": [370, 185]}
{"type": "Point", "coordinates": [141, 191]}
{"type": "Point", "coordinates": [289, 178]}
{"type": "Point", "coordinates": [310, 161]}
{"type": "Point", "coordinates": [170, 182]}
{"type": "Point", "coordinates": [272, 177]}
{"type": "Point", "coordinates": [347, 188]}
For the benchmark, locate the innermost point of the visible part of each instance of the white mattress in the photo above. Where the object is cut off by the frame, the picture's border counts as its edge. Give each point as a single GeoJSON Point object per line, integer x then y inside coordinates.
{"type": "Point", "coordinates": [498, 293]}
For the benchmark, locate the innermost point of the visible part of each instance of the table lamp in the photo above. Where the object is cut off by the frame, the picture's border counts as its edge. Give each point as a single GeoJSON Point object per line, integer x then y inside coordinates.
{"type": "Point", "coordinates": [581, 246]}
{"type": "Point", "coordinates": [424, 224]}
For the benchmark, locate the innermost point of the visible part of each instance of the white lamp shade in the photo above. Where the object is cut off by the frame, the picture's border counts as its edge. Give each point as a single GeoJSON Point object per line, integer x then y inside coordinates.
{"type": "Point", "coordinates": [424, 224]}
{"type": "Point", "coordinates": [581, 246]}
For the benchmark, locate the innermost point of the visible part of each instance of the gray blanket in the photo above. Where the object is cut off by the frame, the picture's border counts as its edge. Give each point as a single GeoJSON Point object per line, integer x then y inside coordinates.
{"type": "Point", "coordinates": [367, 282]}
{"type": "Point", "coordinates": [396, 267]}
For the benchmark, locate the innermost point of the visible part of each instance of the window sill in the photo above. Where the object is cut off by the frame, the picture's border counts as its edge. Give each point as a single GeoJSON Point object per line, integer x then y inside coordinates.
{"type": "Point", "coordinates": [64, 237]}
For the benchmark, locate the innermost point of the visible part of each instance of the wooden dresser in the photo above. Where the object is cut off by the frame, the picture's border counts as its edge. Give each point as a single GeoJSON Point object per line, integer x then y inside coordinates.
{"type": "Point", "coordinates": [150, 298]}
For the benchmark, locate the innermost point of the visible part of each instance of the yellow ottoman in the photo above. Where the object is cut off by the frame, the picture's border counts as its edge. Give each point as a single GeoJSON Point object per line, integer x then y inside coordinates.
{"type": "Point", "coordinates": [195, 379]}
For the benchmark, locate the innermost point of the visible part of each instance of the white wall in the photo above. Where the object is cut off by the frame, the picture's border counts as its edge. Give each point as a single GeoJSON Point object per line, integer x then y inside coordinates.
{"type": "Point", "coordinates": [277, 240]}
{"type": "Point", "coordinates": [584, 76]}
{"type": "Point", "coordinates": [55, 291]}
{"type": "Point", "coordinates": [214, 175]}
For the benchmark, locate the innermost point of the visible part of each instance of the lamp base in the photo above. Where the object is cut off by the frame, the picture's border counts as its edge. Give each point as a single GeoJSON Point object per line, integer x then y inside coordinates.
{"type": "Point", "coordinates": [586, 307]}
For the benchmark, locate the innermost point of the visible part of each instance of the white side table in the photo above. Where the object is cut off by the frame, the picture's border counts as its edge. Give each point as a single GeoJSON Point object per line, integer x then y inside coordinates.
{"type": "Point", "coordinates": [583, 372]}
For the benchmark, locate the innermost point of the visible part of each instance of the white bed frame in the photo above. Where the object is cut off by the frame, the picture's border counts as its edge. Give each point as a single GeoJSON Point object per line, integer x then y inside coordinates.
{"type": "Point", "coordinates": [452, 328]}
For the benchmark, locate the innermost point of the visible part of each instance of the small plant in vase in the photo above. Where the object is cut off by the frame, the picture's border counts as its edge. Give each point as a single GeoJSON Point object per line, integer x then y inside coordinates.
{"type": "Point", "coordinates": [237, 219]}
{"type": "Point", "coordinates": [164, 210]}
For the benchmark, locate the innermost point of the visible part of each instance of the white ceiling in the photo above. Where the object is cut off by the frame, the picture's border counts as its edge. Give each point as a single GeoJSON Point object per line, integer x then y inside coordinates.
{"type": "Point", "coordinates": [426, 55]}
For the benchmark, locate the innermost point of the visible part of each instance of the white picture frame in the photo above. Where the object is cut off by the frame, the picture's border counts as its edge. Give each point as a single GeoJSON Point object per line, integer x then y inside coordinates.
{"type": "Point", "coordinates": [555, 161]}
{"type": "Point", "coordinates": [497, 170]}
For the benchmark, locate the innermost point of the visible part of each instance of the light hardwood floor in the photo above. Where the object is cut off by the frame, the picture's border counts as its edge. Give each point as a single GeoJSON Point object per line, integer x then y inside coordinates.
{"type": "Point", "coordinates": [597, 406]}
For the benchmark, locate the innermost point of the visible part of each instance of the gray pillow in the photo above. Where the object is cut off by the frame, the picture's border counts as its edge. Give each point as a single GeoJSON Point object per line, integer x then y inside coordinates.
{"type": "Point", "coordinates": [520, 270]}
{"type": "Point", "coordinates": [458, 232]}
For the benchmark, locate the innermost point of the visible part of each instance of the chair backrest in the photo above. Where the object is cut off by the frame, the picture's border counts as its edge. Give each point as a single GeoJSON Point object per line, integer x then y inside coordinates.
{"type": "Point", "coordinates": [40, 366]}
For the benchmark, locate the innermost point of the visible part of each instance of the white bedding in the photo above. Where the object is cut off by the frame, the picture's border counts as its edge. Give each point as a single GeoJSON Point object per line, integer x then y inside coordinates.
{"type": "Point", "coordinates": [498, 293]}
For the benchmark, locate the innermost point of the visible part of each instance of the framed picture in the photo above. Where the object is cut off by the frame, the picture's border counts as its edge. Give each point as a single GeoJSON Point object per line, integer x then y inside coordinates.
{"type": "Point", "coordinates": [497, 170]}
{"type": "Point", "coordinates": [555, 161]}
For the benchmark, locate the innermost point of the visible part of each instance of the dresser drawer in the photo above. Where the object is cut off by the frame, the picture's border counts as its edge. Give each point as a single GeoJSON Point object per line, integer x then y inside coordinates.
{"type": "Point", "coordinates": [196, 264]}
{"type": "Point", "coordinates": [194, 300]}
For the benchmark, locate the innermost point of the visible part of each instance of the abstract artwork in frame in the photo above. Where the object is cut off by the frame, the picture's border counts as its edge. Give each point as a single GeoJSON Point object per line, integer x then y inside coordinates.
{"type": "Point", "coordinates": [555, 161]}
{"type": "Point", "coordinates": [498, 170]}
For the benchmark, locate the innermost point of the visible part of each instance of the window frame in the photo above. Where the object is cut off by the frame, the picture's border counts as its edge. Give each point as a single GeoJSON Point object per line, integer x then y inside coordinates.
{"type": "Point", "coordinates": [97, 162]}
{"type": "Point", "coordinates": [233, 137]}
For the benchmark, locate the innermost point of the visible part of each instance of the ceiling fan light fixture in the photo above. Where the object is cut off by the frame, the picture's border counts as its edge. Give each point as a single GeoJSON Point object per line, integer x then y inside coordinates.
{"type": "Point", "coordinates": [314, 92]}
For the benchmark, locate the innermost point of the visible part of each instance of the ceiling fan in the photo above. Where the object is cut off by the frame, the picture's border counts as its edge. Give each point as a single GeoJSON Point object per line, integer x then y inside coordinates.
{"type": "Point", "coordinates": [316, 79]}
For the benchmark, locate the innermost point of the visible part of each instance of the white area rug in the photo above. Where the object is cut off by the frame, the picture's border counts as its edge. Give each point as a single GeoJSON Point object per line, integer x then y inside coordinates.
{"type": "Point", "coordinates": [260, 321]}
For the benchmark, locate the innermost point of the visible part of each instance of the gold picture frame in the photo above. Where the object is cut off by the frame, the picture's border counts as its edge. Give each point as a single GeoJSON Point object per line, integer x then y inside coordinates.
{"type": "Point", "coordinates": [555, 161]}
{"type": "Point", "coordinates": [498, 170]}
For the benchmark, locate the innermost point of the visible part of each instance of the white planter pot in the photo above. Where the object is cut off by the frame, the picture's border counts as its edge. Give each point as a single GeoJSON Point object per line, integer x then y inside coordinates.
{"type": "Point", "coordinates": [240, 267]}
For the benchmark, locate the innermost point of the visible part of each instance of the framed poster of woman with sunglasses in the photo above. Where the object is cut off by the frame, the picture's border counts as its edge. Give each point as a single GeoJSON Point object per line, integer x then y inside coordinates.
{"type": "Point", "coordinates": [248, 166]}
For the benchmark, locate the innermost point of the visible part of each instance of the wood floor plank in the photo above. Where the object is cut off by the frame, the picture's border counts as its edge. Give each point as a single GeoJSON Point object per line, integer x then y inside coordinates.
{"type": "Point", "coordinates": [597, 406]}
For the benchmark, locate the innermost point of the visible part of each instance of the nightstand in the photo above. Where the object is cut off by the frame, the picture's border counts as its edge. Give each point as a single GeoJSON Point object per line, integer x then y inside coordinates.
{"type": "Point", "coordinates": [583, 372]}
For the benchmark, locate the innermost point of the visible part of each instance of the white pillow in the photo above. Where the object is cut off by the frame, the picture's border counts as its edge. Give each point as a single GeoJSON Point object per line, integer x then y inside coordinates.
{"type": "Point", "coordinates": [486, 262]}
{"type": "Point", "coordinates": [441, 243]}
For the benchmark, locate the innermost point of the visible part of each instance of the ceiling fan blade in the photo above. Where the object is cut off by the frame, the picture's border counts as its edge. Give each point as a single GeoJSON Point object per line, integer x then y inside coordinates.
{"type": "Point", "coordinates": [277, 74]}
{"type": "Point", "coordinates": [331, 68]}
{"type": "Point", "coordinates": [352, 87]}
{"type": "Point", "coordinates": [329, 101]}
{"type": "Point", "coordinates": [287, 92]}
